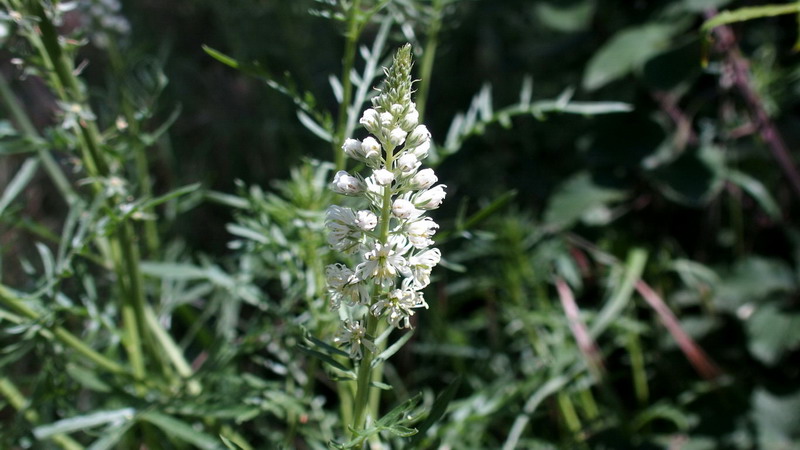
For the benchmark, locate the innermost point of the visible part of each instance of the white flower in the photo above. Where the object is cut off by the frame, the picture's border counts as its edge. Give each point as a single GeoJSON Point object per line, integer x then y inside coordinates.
{"type": "Point", "coordinates": [343, 236]}
{"type": "Point", "coordinates": [386, 120]}
{"type": "Point", "coordinates": [419, 232]}
{"type": "Point", "coordinates": [352, 148]}
{"type": "Point", "coordinates": [407, 163]}
{"type": "Point", "coordinates": [368, 151]}
{"type": "Point", "coordinates": [432, 198]}
{"type": "Point", "coordinates": [384, 262]}
{"type": "Point", "coordinates": [371, 148]}
{"type": "Point", "coordinates": [366, 220]}
{"type": "Point", "coordinates": [411, 119]}
{"type": "Point", "coordinates": [398, 307]}
{"type": "Point", "coordinates": [371, 121]}
{"type": "Point", "coordinates": [396, 109]}
{"type": "Point", "coordinates": [418, 136]}
{"type": "Point", "coordinates": [383, 177]}
{"type": "Point", "coordinates": [421, 265]}
{"type": "Point", "coordinates": [404, 209]}
{"type": "Point", "coordinates": [424, 179]}
{"type": "Point", "coordinates": [343, 285]}
{"type": "Point", "coordinates": [355, 334]}
{"type": "Point", "coordinates": [397, 136]}
{"type": "Point", "coordinates": [421, 150]}
{"type": "Point", "coordinates": [346, 184]}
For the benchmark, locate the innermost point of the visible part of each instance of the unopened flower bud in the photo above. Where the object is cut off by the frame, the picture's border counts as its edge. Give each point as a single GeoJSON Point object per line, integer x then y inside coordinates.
{"type": "Point", "coordinates": [418, 136]}
{"type": "Point", "coordinates": [370, 149]}
{"type": "Point", "coordinates": [352, 148]}
{"type": "Point", "coordinates": [421, 150]}
{"type": "Point", "coordinates": [432, 198]}
{"type": "Point", "coordinates": [383, 177]}
{"type": "Point", "coordinates": [371, 121]}
{"type": "Point", "coordinates": [403, 209]}
{"type": "Point", "coordinates": [397, 136]}
{"type": "Point", "coordinates": [386, 119]}
{"type": "Point", "coordinates": [366, 220]}
{"type": "Point", "coordinates": [407, 163]}
{"type": "Point", "coordinates": [410, 120]}
{"type": "Point", "coordinates": [396, 109]}
{"type": "Point", "coordinates": [424, 179]}
{"type": "Point", "coordinates": [346, 184]}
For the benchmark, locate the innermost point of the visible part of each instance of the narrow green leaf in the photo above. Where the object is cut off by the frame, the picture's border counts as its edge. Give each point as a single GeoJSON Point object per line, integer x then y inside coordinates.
{"type": "Point", "coordinates": [110, 437]}
{"type": "Point", "coordinates": [324, 358]}
{"type": "Point", "coordinates": [328, 347]}
{"type": "Point", "coordinates": [749, 13]}
{"type": "Point", "coordinates": [181, 430]}
{"type": "Point", "coordinates": [634, 267]}
{"type": "Point", "coordinates": [756, 190]}
{"type": "Point", "coordinates": [438, 409]}
{"type": "Point", "coordinates": [381, 386]}
{"type": "Point", "coordinates": [170, 195]}
{"type": "Point", "coordinates": [151, 138]}
{"type": "Point", "coordinates": [78, 423]}
{"type": "Point", "coordinates": [175, 271]}
{"type": "Point", "coordinates": [386, 354]}
{"type": "Point", "coordinates": [18, 183]}
{"type": "Point", "coordinates": [247, 233]}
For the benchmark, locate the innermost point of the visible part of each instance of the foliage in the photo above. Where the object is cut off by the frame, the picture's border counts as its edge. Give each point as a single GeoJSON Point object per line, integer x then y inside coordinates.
{"type": "Point", "coordinates": [621, 261]}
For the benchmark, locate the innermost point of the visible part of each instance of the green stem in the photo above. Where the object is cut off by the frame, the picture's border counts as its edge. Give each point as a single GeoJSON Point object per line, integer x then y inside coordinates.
{"type": "Point", "coordinates": [640, 387]}
{"type": "Point", "coordinates": [23, 122]}
{"type": "Point", "coordinates": [17, 305]}
{"type": "Point", "coordinates": [139, 150]}
{"type": "Point", "coordinates": [20, 403]}
{"type": "Point", "coordinates": [347, 85]}
{"type": "Point", "coordinates": [365, 370]}
{"type": "Point", "coordinates": [364, 379]}
{"type": "Point", "coordinates": [426, 67]}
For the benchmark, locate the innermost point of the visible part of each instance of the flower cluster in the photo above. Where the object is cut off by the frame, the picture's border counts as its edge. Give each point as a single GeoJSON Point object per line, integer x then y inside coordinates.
{"type": "Point", "coordinates": [390, 236]}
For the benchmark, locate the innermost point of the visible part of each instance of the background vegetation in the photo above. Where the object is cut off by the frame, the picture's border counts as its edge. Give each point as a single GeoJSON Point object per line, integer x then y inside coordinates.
{"type": "Point", "coordinates": [621, 255]}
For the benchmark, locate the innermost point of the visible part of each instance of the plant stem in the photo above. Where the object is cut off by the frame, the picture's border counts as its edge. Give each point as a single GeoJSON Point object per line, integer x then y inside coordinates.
{"type": "Point", "coordinates": [139, 150]}
{"type": "Point", "coordinates": [365, 367]}
{"type": "Point", "coordinates": [426, 67]}
{"type": "Point", "coordinates": [20, 403]}
{"type": "Point", "coordinates": [16, 304]}
{"type": "Point", "coordinates": [364, 379]}
{"type": "Point", "coordinates": [50, 165]}
{"type": "Point", "coordinates": [351, 37]}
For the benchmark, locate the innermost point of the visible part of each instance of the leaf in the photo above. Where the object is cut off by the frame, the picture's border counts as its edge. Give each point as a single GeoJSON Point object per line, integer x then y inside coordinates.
{"type": "Point", "coordinates": [438, 409]}
{"type": "Point", "coordinates": [325, 358]}
{"type": "Point", "coordinates": [83, 422]}
{"type": "Point", "coordinates": [756, 190]}
{"type": "Point", "coordinates": [751, 281]}
{"type": "Point", "coordinates": [777, 418]}
{"type": "Point", "coordinates": [18, 183]}
{"type": "Point", "coordinates": [110, 437]}
{"type": "Point", "coordinates": [772, 333]}
{"type": "Point", "coordinates": [314, 127]}
{"type": "Point", "coordinates": [151, 138]}
{"type": "Point", "coordinates": [749, 13]}
{"type": "Point", "coordinates": [634, 266]}
{"type": "Point", "coordinates": [176, 271]}
{"type": "Point", "coordinates": [576, 197]}
{"type": "Point", "coordinates": [568, 17]}
{"type": "Point", "coordinates": [386, 354]}
{"type": "Point", "coordinates": [624, 52]}
{"type": "Point", "coordinates": [170, 195]}
{"type": "Point", "coordinates": [693, 179]}
{"type": "Point", "coordinates": [181, 430]}
{"type": "Point", "coordinates": [247, 233]}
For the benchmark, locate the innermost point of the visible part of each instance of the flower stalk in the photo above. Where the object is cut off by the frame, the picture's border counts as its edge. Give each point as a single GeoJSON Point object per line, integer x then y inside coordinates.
{"type": "Point", "coordinates": [391, 237]}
